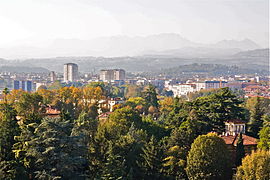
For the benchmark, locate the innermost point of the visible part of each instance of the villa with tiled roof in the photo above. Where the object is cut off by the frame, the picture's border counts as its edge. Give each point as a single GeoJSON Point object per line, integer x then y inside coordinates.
{"type": "Point", "coordinates": [233, 128]}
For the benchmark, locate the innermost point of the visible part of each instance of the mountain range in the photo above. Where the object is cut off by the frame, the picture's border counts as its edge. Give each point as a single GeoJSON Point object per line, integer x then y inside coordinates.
{"type": "Point", "coordinates": [161, 44]}
{"type": "Point", "coordinates": [257, 60]}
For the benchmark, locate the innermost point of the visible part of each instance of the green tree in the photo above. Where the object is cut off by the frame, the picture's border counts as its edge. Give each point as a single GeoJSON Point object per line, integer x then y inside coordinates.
{"type": "Point", "coordinates": [132, 91]}
{"type": "Point", "coordinates": [264, 142]}
{"type": "Point", "coordinates": [120, 121]}
{"type": "Point", "coordinates": [8, 129]}
{"type": "Point", "coordinates": [114, 168]}
{"type": "Point", "coordinates": [266, 120]}
{"type": "Point", "coordinates": [29, 107]}
{"type": "Point", "coordinates": [179, 144]}
{"type": "Point", "coordinates": [150, 95]}
{"type": "Point", "coordinates": [175, 162]}
{"type": "Point", "coordinates": [217, 108]}
{"type": "Point", "coordinates": [12, 170]}
{"type": "Point", "coordinates": [255, 166]}
{"type": "Point", "coordinates": [151, 163]}
{"type": "Point", "coordinates": [208, 158]}
{"type": "Point", "coordinates": [129, 147]}
{"type": "Point", "coordinates": [52, 152]}
{"type": "Point", "coordinates": [240, 151]}
{"type": "Point", "coordinates": [256, 114]}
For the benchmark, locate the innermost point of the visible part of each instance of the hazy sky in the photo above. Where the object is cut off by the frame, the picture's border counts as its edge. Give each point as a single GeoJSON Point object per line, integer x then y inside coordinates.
{"type": "Point", "coordinates": [33, 22]}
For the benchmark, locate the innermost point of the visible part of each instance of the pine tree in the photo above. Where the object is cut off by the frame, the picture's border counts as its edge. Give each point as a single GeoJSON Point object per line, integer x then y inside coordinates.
{"type": "Point", "coordinates": [114, 166]}
{"type": "Point", "coordinates": [256, 121]}
{"type": "Point", "coordinates": [151, 162]}
{"type": "Point", "coordinates": [150, 95]}
{"type": "Point", "coordinates": [51, 152]}
{"type": "Point", "coordinates": [8, 129]}
{"type": "Point", "coordinates": [240, 151]}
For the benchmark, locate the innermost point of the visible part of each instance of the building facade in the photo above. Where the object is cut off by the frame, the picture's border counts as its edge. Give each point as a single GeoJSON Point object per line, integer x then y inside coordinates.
{"type": "Point", "coordinates": [24, 85]}
{"type": "Point", "coordinates": [112, 74]}
{"type": "Point", "coordinates": [233, 129]}
{"type": "Point", "coordinates": [210, 85]}
{"type": "Point", "coordinates": [182, 89]}
{"type": "Point", "coordinates": [71, 72]}
{"type": "Point", "coordinates": [52, 76]}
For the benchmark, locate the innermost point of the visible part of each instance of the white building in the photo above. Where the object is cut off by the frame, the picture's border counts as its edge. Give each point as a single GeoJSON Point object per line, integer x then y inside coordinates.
{"type": "Point", "coordinates": [234, 127]}
{"type": "Point", "coordinates": [115, 101]}
{"type": "Point", "coordinates": [71, 73]}
{"type": "Point", "coordinates": [210, 85]}
{"type": "Point", "coordinates": [182, 89]}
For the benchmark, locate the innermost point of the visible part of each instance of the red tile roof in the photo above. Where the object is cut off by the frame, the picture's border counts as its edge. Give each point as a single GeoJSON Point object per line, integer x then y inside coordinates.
{"type": "Point", "coordinates": [51, 111]}
{"type": "Point", "coordinates": [236, 121]}
{"type": "Point", "coordinates": [232, 140]}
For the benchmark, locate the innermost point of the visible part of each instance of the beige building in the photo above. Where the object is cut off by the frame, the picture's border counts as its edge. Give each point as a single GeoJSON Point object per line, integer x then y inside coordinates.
{"type": "Point", "coordinates": [112, 74]}
{"type": "Point", "coordinates": [71, 73]}
{"type": "Point", "coordinates": [52, 76]}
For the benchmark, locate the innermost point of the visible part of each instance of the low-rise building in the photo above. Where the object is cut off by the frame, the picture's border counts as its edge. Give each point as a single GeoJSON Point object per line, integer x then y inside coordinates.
{"type": "Point", "coordinates": [210, 85]}
{"type": "Point", "coordinates": [114, 101]}
{"type": "Point", "coordinates": [233, 129]}
{"type": "Point", "coordinates": [182, 89]}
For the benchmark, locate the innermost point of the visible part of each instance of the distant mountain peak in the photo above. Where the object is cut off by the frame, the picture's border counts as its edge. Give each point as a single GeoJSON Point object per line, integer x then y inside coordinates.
{"type": "Point", "coordinates": [245, 44]}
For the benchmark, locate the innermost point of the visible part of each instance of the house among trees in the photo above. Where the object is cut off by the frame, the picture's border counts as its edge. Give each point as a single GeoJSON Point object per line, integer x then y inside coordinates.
{"type": "Point", "coordinates": [234, 127]}
{"type": "Point", "coordinates": [52, 112]}
{"type": "Point", "coordinates": [234, 131]}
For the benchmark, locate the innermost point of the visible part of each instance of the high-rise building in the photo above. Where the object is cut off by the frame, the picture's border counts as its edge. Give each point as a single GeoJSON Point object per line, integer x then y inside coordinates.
{"type": "Point", "coordinates": [16, 84]}
{"type": "Point", "coordinates": [71, 73]}
{"type": "Point", "coordinates": [112, 74]}
{"type": "Point", "coordinates": [52, 76]}
{"type": "Point", "coordinates": [24, 85]}
{"type": "Point", "coordinates": [119, 74]}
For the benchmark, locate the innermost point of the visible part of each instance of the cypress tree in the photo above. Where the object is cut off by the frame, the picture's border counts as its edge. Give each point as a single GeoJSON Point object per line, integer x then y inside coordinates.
{"type": "Point", "coordinates": [240, 151]}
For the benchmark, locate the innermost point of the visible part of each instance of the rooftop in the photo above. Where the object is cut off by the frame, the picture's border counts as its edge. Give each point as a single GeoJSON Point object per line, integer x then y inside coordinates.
{"type": "Point", "coordinates": [232, 140]}
{"type": "Point", "coordinates": [236, 121]}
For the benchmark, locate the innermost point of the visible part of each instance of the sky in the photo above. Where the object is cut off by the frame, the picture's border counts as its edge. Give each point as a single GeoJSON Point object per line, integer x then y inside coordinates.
{"type": "Point", "coordinates": [38, 22]}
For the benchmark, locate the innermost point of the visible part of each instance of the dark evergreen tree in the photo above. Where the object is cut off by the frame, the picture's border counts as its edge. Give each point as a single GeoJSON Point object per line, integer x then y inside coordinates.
{"type": "Point", "coordinates": [114, 166]}
{"type": "Point", "coordinates": [12, 170]}
{"type": "Point", "coordinates": [256, 120]}
{"type": "Point", "coordinates": [240, 151]}
{"type": "Point", "coordinates": [151, 162]}
{"type": "Point", "coordinates": [218, 107]}
{"type": "Point", "coordinates": [8, 129]}
{"type": "Point", "coordinates": [52, 152]}
{"type": "Point", "coordinates": [150, 95]}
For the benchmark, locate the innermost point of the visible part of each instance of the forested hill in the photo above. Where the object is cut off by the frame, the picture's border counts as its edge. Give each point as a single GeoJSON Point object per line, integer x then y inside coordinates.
{"type": "Point", "coordinates": [207, 69]}
{"type": "Point", "coordinates": [23, 69]}
{"type": "Point", "coordinates": [256, 59]}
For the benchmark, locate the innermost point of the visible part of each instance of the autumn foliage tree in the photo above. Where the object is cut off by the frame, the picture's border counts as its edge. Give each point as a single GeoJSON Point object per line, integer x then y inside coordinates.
{"type": "Point", "coordinates": [255, 166]}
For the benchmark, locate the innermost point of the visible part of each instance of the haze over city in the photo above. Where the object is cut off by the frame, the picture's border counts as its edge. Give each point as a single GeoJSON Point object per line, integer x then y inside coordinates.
{"type": "Point", "coordinates": [36, 28]}
{"type": "Point", "coordinates": [134, 90]}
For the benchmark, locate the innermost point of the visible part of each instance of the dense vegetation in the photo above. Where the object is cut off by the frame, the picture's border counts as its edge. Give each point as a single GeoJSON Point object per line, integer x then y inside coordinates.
{"type": "Point", "coordinates": [205, 70]}
{"type": "Point", "coordinates": [147, 137]}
